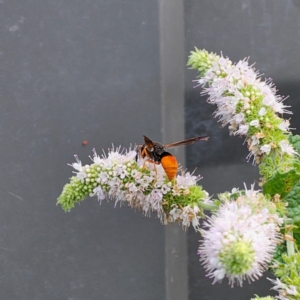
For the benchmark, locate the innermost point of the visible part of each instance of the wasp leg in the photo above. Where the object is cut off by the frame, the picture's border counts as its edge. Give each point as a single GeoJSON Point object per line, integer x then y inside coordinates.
{"type": "Point", "coordinates": [154, 163]}
{"type": "Point", "coordinates": [174, 181]}
{"type": "Point", "coordinates": [155, 179]}
{"type": "Point", "coordinates": [144, 152]}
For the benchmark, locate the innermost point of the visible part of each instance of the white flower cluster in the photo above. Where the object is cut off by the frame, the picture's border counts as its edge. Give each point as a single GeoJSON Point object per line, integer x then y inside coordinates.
{"type": "Point", "coordinates": [285, 291]}
{"type": "Point", "coordinates": [247, 104]}
{"type": "Point", "coordinates": [141, 185]}
{"type": "Point", "coordinates": [240, 238]}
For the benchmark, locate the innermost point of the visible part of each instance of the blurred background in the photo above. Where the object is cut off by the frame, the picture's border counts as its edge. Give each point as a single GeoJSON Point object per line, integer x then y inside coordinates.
{"type": "Point", "coordinates": [111, 71]}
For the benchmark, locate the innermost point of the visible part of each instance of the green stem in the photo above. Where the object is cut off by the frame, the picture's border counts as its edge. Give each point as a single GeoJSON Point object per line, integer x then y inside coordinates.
{"type": "Point", "coordinates": [210, 207]}
{"type": "Point", "coordinates": [290, 243]}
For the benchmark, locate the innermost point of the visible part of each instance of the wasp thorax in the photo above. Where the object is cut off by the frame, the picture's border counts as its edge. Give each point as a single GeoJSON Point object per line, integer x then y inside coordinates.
{"type": "Point", "coordinates": [159, 149]}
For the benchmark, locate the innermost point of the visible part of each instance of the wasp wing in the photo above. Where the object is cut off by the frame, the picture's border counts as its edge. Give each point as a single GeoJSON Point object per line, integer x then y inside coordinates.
{"type": "Point", "coordinates": [186, 142]}
{"type": "Point", "coordinates": [148, 143]}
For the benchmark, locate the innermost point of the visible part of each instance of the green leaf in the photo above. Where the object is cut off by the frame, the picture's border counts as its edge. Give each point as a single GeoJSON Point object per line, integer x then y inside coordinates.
{"type": "Point", "coordinates": [295, 141]}
{"type": "Point", "coordinates": [296, 236]}
{"type": "Point", "coordinates": [280, 249]}
{"type": "Point", "coordinates": [293, 200]}
{"type": "Point", "coordinates": [281, 183]}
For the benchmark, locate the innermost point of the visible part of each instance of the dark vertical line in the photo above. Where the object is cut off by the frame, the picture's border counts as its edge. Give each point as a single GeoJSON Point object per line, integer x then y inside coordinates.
{"type": "Point", "coordinates": [172, 94]}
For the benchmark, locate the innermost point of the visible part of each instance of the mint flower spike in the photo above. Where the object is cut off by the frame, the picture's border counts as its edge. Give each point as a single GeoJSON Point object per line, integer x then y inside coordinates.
{"type": "Point", "coordinates": [240, 238]}
{"type": "Point", "coordinates": [141, 185]}
{"type": "Point", "coordinates": [247, 104]}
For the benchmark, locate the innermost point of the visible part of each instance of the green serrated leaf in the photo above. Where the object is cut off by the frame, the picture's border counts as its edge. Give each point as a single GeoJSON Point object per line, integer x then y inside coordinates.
{"type": "Point", "coordinates": [280, 249]}
{"type": "Point", "coordinates": [281, 183]}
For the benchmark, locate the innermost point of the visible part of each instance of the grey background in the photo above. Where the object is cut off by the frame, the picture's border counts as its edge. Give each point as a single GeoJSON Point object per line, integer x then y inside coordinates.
{"type": "Point", "coordinates": [74, 71]}
{"type": "Point", "coordinates": [109, 72]}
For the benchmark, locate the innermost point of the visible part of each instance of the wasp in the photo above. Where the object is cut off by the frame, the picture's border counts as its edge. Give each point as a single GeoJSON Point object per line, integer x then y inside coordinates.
{"type": "Point", "coordinates": [156, 153]}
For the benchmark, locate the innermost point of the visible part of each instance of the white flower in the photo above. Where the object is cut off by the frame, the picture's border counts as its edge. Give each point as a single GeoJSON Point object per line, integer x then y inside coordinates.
{"type": "Point", "coordinates": [103, 177]}
{"type": "Point", "coordinates": [269, 98]}
{"type": "Point", "coordinates": [165, 189]}
{"type": "Point", "coordinates": [186, 180]}
{"type": "Point", "coordinates": [186, 215]}
{"type": "Point", "coordinates": [239, 118]}
{"type": "Point", "coordinates": [123, 173]}
{"type": "Point", "coordinates": [107, 164]}
{"type": "Point", "coordinates": [132, 188]}
{"type": "Point", "coordinates": [154, 201]}
{"type": "Point", "coordinates": [99, 192]}
{"type": "Point", "coordinates": [236, 228]}
{"type": "Point", "coordinates": [78, 166]}
{"type": "Point", "coordinates": [262, 112]}
{"type": "Point", "coordinates": [283, 289]}
{"type": "Point", "coordinates": [174, 213]}
{"type": "Point", "coordinates": [130, 156]}
{"type": "Point", "coordinates": [265, 149]}
{"type": "Point", "coordinates": [284, 125]}
{"type": "Point", "coordinates": [135, 173]}
{"type": "Point", "coordinates": [189, 215]}
{"type": "Point", "coordinates": [234, 190]}
{"type": "Point", "coordinates": [96, 158]}
{"type": "Point", "coordinates": [287, 148]}
{"type": "Point", "coordinates": [278, 107]}
{"type": "Point", "coordinates": [255, 140]}
{"type": "Point", "coordinates": [243, 129]}
{"type": "Point", "coordinates": [291, 290]}
{"type": "Point", "coordinates": [254, 123]}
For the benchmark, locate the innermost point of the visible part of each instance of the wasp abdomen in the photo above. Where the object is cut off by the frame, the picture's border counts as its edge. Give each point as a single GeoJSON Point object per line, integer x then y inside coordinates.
{"type": "Point", "coordinates": [170, 164]}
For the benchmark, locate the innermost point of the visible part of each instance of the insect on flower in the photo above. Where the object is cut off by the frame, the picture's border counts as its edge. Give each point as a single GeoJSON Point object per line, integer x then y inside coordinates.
{"type": "Point", "coordinates": [156, 153]}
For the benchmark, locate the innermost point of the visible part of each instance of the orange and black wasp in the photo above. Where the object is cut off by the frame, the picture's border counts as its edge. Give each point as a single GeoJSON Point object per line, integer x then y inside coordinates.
{"type": "Point", "coordinates": [156, 153]}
